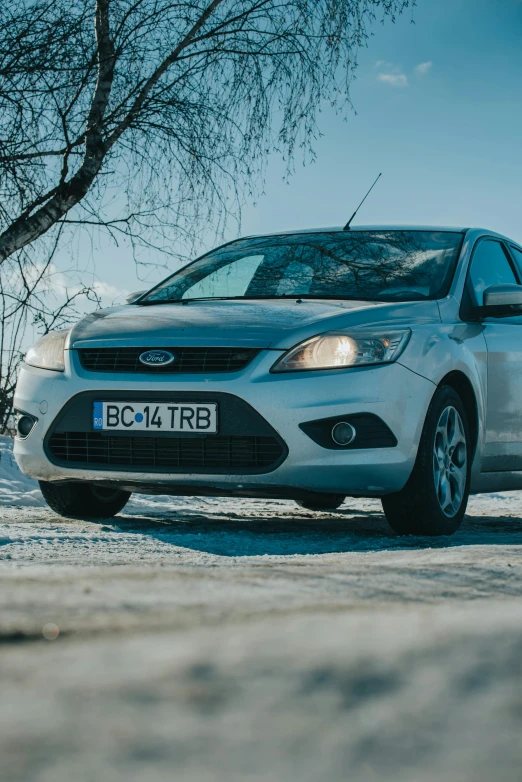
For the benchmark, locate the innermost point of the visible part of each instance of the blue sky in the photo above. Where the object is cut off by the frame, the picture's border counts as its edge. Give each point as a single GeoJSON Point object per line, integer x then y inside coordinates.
{"type": "Point", "coordinates": [439, 112]}
{"type": "Point", "coordinates": [447, 135]}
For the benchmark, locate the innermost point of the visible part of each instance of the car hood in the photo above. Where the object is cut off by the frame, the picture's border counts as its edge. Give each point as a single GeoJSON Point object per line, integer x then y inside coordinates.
{"type": "Point", "coordinates": [263, 324]}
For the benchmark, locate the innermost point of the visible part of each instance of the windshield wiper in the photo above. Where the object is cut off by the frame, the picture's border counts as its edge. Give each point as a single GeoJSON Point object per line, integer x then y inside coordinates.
{"type": "Point", "coordinates": [318, 296]}
{"type": "Point", "coordinates": [295, 296]}
{"type": "Point", "coordinates": [187, 301]}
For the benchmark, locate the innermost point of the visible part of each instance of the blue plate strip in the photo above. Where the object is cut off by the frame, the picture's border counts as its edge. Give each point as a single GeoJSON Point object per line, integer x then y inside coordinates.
{"type": "Point", "coordinates": [97, 415]}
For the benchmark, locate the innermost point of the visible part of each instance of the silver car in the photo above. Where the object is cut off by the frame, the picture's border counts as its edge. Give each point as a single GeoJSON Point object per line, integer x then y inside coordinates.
{"type": "Point", "coordinates": [313, 365]}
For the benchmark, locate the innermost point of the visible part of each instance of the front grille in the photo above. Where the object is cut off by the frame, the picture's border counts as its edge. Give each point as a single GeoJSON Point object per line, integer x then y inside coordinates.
{"type": "Point", "coordinates": [187, 360]}
{"type": "Point", "coordinates": [216, 453]}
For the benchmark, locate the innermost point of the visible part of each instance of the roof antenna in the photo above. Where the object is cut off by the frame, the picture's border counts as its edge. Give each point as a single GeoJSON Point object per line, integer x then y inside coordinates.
{"type": "Point", "coordinates": [347, 226]}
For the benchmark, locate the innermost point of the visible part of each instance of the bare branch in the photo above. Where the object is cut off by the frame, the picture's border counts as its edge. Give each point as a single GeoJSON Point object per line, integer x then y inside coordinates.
{"type": "Point", "coordinates": [162, 100]}
{"type": "Point", "coordinates": [67, 194]}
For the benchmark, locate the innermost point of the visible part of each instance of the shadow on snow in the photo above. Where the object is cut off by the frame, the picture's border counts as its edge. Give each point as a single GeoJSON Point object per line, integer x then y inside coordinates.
{"type": "Point", "coordinates": [235, 535]}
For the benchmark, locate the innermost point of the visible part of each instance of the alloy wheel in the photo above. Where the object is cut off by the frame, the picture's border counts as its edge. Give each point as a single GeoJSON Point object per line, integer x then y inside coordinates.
{"type": "Point", "coordinates": [450, 461]}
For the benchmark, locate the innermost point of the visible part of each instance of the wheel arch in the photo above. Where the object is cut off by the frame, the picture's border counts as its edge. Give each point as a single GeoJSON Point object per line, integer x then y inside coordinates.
{"type": "Point", "coordinates": [464, 388]}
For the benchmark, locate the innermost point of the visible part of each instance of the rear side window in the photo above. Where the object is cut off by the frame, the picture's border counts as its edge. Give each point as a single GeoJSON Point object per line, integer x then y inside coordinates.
{"type": "Point", "coordinates": [489, 266]}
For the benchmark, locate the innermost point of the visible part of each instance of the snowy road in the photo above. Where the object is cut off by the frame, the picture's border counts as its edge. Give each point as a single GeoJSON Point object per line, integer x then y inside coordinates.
{"type": "Point", "coordinates": [211, 640]}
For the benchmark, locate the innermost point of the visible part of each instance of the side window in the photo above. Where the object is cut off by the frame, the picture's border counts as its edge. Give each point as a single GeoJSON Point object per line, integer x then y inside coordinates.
{"type": "Point", "coordinates": [489, 266]}
{"type": "Point", "coordinates": [518, 258]}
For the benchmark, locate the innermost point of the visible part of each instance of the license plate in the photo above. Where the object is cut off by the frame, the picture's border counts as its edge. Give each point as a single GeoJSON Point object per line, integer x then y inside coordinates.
{"type": "Point", "coordinates": [154, 417]}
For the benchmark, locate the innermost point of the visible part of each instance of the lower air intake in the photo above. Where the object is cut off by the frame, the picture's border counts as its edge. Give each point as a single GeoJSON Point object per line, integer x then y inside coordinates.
{"type": "Point", "coordinates": [216, 454]}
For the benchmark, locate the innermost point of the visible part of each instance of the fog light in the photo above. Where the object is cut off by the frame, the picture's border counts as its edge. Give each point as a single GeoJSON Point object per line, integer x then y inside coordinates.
{"type": "Point", "coordinates": [24, 425]}
{"type": "Point", "coordinates": [343, 433]}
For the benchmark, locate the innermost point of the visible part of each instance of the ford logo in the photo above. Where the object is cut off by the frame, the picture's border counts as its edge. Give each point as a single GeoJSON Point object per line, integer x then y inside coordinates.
{"type": "Point", "coordinates": [157, 358]}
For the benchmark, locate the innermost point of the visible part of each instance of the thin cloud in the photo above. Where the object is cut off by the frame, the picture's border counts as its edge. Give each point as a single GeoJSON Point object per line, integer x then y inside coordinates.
{"type": "Point", "coordinates": [109, 294]}
{"type": "Point", "coordinates": [391, 73]}
{"type": "Point", "coordinates": [423, 68]}
{"type": "Point", "coordinates": [55, 282]}
{"type": "Point", "coordinates": [388, 66]}
{"type": "Point", "coordinates": [393, 79]}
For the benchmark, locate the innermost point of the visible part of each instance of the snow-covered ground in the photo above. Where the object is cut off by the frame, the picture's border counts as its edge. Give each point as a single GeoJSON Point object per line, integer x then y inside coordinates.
{"type": "Point", "coordinates": [15, 487]}
{"type": "Point", "coordinates": [208, 640]}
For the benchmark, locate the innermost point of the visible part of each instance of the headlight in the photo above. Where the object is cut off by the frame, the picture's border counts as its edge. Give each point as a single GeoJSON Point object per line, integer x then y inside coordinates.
{"type": "Point", "coordinates": [47, 353]}
{"type": "Point", "coordinates": [339, 350]}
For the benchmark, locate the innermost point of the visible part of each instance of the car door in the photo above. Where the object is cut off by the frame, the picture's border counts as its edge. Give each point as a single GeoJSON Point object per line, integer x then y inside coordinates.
{"type": "Point", "coordinates": [492, 264]}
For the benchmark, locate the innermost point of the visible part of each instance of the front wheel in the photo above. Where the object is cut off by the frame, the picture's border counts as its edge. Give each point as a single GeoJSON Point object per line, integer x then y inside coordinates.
{"type": "Point", "coordinates": [80, 500]}
{"type": "Point", "coordinates": [434, 500]}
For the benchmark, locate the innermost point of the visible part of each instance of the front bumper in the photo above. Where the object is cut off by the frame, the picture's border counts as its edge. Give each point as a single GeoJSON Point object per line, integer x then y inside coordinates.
{"type": "Point", "coordinates": [394, 393]}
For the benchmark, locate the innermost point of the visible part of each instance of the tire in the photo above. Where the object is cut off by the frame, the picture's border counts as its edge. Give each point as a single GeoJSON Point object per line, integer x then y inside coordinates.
{"type": "Point", "coordinates": [83, 500]}
{"type": "Point", "coordinates": [434, 500]}
{"type": "Point", "coordinates": [323, 502]}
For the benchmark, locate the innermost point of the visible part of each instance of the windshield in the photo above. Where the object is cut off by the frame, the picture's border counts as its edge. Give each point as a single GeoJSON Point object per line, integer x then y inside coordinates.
{"type": "Point", "coordinates": [367, 265]}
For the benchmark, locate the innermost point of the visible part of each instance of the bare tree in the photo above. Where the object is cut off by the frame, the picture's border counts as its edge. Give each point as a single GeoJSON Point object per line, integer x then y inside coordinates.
{"type": "Point", "coordinates": [153, 118]}
{"type": "Point", "coordinates": [34, 297]}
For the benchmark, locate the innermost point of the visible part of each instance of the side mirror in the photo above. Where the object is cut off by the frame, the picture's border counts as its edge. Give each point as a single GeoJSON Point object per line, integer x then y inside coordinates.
{"type": "Point", "coordinates": [501, 301]}
{"type": "Point", "coordinates": [132, 297]}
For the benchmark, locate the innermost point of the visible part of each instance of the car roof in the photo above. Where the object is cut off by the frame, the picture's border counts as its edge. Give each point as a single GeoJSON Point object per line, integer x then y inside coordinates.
{"type": "Point", "coordinates": [334, 228]}
{"type": "Point", "coordinates": [476, 232]}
